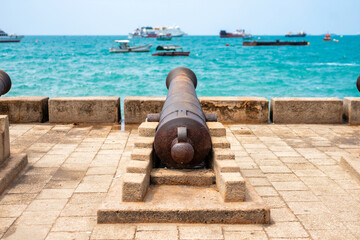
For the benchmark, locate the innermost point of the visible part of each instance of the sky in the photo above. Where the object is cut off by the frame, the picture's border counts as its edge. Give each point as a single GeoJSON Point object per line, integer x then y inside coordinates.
{"type": "Point", "coordinates": [195, 17]}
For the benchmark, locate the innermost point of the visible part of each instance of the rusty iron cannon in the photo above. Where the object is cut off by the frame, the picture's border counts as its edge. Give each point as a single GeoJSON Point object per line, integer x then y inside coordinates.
{"type": "Point", "coordinates": [5, 82]}
{"type": "Point", "coordinates": [182, 138]}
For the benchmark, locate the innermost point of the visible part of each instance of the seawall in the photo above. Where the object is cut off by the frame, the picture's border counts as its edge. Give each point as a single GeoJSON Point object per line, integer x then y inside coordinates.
{"type": "Point", "coordinates": [252, 110]}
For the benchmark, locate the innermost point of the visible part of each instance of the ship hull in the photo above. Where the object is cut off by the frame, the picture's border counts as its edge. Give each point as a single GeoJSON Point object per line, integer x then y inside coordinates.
{"type": "Point", "coordinates": [296, 35]}
{"type": "Point", "coordinates": [9, 40]}
{"type": "Point", "coordinates": [171, 54]}
{"type": "Point", "coordinates": [231, 36]}
{"type": "Point", "coordinates": [276, 43]}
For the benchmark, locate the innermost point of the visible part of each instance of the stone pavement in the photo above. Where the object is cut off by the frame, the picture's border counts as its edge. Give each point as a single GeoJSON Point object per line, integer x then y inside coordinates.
{"type": "Point", "coordinates": [295, 168]}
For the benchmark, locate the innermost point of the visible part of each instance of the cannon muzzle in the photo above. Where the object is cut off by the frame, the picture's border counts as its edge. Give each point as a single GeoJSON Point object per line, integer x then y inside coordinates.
{"type": "Point", "coordinates": [5, 82]}
{"type": "Point", "coordinates": [182, 139]}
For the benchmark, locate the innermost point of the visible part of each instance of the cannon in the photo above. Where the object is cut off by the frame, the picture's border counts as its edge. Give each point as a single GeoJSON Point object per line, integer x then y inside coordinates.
{"type": "Point", "coordinates": [5, 82]}
{"type": "Point", "coordinates": [182, 138]}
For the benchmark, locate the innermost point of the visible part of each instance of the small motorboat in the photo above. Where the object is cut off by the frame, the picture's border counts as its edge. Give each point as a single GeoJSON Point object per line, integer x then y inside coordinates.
{"type": "Point", "coordinates": [122, 46]}
{"type": "Point", "coordinates": [170, 50]}
{"type": "Point", "coordinates": [327, 37]}
{"type": "Point", "coordinates": [164, 37]}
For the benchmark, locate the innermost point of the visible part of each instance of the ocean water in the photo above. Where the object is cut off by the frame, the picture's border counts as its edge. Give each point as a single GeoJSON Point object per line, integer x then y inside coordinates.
{"type": "Point", "coordinates": [83, 66]}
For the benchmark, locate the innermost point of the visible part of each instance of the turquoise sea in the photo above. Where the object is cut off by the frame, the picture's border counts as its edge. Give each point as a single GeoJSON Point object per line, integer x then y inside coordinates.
{"type": "Point", "coordinates": [83, 66]}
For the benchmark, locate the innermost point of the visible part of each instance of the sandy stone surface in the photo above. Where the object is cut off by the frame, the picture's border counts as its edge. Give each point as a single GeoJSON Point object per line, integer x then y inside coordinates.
{"type": "Point", "coordinates": [295, 168]}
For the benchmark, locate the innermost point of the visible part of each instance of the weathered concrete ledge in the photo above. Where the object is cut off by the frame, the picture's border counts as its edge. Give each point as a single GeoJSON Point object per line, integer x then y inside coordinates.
{"type": "Point", "coordinates": [84, 110]}
{"type": "Point", "coordinates": [25, 109]}
{"type": "Point", "coordinates": [352, 110]}
{"type": "Point", "coordinates": [306, 110]}
{"type": "Point", "coordinates": [237, 109]}
{"type": "Point", "coordinates": [229, 109]}
{"type": "Point", "coordinates": [136, 108]}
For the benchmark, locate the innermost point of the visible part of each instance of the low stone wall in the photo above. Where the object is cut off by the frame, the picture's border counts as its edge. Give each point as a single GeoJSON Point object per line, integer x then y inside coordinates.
{"type": "Point", "coordinates": [237, 109]}
{"type": "Point", "coordinates": [306, 110]}
{"type": "Point", "coordinates": [228, 109]}
{"type": "Point", "coordinates": [352, 110]}
{"type": "Point", "coordinates": [25, 109]}
{"type": "Point", "coordinates": [244, 110]}
{"type": "Point", "coordinates": [84, 110]}
{"type": "Point", "coordinates": [136, 109]}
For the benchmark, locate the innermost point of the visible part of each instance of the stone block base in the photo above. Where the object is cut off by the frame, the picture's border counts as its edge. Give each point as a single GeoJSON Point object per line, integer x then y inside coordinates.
{"type": "Point", "coordinates": [192, 177]}
{"type": "Point", "coordinates": [351, 164]}
{"type": "Point", "coordinates": [352, 110]}
{"type": "Point", "coordinates": [11, 168]}
{"type": "Point", "coordinates": [84, 110]}
{"type": "Point", "coordinates": [306, 110]}
{"type": "Point", "coordinates": [183, 204]}
{"type": "Point", "coordinates": [25, 109]}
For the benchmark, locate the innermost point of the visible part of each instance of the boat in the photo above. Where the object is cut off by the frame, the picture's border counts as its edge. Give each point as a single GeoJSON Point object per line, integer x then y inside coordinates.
{"type": "Point", "coordinates": [327, 38]}
{"type": "Point", "coordinates": [240, 33]}
{"type": "Point", "coordinates": [300, 34]}
{"type": "Point", "coordinates": [170, 50]}
{"type": "Point", "coordinates": [275, 43]}
{"type": "Point", "coordinates": [164, 37]}
{"type": "Point", "coordinates": [153, 32]}
{"type": "Point", "coordinates": [6, 38]}
{"type": "Point", "coordinates": [122, 46]}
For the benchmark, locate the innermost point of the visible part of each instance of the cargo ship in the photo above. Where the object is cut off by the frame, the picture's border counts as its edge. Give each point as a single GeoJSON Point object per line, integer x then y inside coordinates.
{"type": "Point", "coordinates": [300, 34]}
{"type": "Point", "coordinates": [154, 32]}
{"type": "Point", "coordinates": [5, 38]}
{"type": "Point", "coordinates": [240, 33]}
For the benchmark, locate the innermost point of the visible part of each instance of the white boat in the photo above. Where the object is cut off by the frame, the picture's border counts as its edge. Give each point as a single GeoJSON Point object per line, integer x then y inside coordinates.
{"type": "Point", "coordinates": [153, 32]}
{"type": "Point", "coordinates": [4, 37]}
{"type": "Point", "coordinates": [122, 46]}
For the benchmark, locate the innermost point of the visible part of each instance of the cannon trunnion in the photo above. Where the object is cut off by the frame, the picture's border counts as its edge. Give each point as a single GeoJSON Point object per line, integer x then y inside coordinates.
{"type": "Point", "coordinates": [182, 138]}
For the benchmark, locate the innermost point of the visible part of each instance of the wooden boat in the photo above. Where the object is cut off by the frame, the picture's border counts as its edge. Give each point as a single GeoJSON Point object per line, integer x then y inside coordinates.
{"type": "Point", "coordinates": [275, 43]}
{"type": "Point", "coordinates": [124, 47]}
{"type": "Point", "coordinates": [171, 51]}
{"type": "Point", "coordinates": [327, 37]}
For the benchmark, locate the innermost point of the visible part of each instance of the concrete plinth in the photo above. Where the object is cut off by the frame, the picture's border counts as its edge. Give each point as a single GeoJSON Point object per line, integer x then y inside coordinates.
{"type": "Point", "coordinates": [352, 110]}
{"type": "Point", "coordinates": [306, 110]}
{"type": "Point", "coordinates": [4, 139]}
{"type": "Point", "coordinates": [25, 109]}
{"type": "Point", "coordinates": [183, 204]}
{"type": "Point", "coordinates": [237, 109]}
{"type": "Point", "coordinates": [84, 110]}
{"type": "Point", "coordinates": [10, 165]}
{"type": "Point", "coordinates": [11, 168]}
{"type": "Point", "coordinates": [351, 164]}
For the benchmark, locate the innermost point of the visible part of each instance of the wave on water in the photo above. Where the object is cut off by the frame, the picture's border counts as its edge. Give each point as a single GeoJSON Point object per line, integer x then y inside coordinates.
{"type": "Point", "coordinates": [337, 64]}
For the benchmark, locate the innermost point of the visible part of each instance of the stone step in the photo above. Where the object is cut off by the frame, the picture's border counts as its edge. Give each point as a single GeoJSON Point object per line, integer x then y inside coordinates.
{"type": "Point", "coordinates": [192, 177]}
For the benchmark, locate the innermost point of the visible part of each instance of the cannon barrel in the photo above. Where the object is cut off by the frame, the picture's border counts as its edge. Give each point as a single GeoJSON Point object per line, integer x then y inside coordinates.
{"type": "Point", "coordinates": [5, 82]}
{"type": "Point", "coordinates": [182, 138]}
